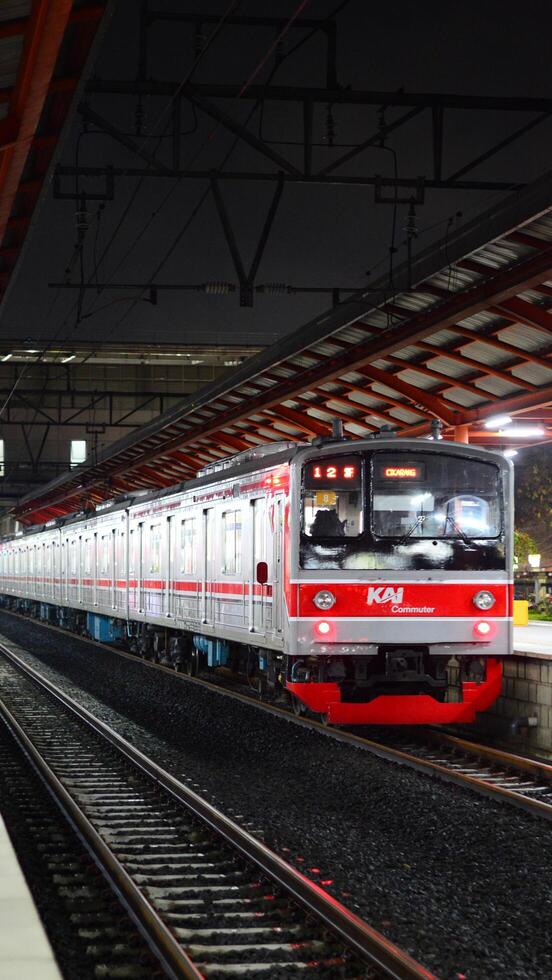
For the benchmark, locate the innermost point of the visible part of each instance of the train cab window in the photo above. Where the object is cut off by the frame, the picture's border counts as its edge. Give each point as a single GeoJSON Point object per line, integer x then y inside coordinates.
{"type": "Point", "coordinates": [155, 548]}
{"type": "Point", "coordinates": [435, 496]}
{"type": "Point", "coordinates": [332, 498]}
{"type": "Point", "coordinates": [188, 542]}
{"type": "Point", "coordinates": [231, 542]}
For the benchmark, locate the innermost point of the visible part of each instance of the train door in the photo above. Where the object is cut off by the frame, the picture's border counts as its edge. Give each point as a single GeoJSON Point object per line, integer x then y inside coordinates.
{"type": "Point", "coordinates": [134, 568]}
{"type": "Point", "coordinates": [277, 562]}
{"type": "Point", "coordinates": [115, 542]}
{"type": "Point", "coordinates": [209, 574]}
{"type": "Point", "coordinates": [95, 569]}
{"type": "Point", "coordinates": [63, 577]}
{"type": "Point", "coordinates": [140, 567]}
{"type": "Point", "coordinates": [167, 570]}
{"type": "Point", "coordinates": [56, 569]}
{"type": "Point", "coordinates": [257, 593]}
{"type": "Point", "coordinates": [80, 566]}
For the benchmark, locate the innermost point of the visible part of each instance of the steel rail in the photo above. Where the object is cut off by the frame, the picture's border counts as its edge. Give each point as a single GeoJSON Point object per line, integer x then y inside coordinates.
{"type": "Point", "coordinates": [380, 749]}
{"type": "Point", "coordinates": [166, 948]}
{"type": "Point", "coordinates": [375, 949]}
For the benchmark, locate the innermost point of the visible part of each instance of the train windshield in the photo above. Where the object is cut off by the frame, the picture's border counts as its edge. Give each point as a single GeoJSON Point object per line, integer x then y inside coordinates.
{"type": "Point", "coordinates": [396, 510]}
{"type": "Point", "coordinates": [434, 496]}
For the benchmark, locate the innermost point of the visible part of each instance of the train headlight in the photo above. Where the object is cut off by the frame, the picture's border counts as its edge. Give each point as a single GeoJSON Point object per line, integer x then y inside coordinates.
{"type": "Point", "coordinates": [484, 600]}
{"type": "Point", "coordinates": [324, 599]}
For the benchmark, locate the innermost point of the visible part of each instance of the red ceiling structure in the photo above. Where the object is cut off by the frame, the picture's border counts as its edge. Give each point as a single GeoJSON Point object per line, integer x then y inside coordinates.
{"type": "Point", "coordinates": [471, 337]}
{"type": "Point", "coordinates": [43, 51]}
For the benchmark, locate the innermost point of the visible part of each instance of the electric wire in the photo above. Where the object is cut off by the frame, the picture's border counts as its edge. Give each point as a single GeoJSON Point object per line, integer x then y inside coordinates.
{"type": "Point", "coordinates": [205, 194]}
{"type": "Point", "coordinates": [79, 249]}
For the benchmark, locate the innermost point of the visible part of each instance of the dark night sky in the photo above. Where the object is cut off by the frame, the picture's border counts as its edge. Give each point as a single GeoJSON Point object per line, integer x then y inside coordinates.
{"type": "Point", "coordinates": [322, 235]}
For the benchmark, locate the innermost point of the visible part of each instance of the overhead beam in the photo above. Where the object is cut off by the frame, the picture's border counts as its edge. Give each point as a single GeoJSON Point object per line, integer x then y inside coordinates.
{"type": "Point", "coordinates": [290, 177]}
{"type": "Point", "coordinates": [42, 41]}
{"type": "Point", "coordinates": [339, 96]}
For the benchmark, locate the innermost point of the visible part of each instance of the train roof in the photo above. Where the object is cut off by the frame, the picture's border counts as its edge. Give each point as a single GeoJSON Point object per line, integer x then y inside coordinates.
{"type": "Point", "coordinates": [252, 460]}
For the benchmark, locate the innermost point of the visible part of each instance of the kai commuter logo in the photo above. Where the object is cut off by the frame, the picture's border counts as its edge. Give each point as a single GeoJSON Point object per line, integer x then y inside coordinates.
{"type": "Point", "coordinates": [382, 593]}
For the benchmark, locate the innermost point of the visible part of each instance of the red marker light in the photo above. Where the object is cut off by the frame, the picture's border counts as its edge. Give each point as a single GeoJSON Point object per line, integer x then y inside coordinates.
{"type": "Point", "coordinates": [484, 630]}
{"type": "Point", "coordinates": [323, 628]}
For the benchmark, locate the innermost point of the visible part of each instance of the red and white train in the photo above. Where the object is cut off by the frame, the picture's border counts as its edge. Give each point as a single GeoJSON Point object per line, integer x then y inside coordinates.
{"type": "Point", "coordinates": [369, 579]}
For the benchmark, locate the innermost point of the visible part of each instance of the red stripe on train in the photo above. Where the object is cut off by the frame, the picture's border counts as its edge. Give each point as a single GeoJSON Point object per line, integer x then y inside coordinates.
{"type": "Point", "coordinates": [409, 598]}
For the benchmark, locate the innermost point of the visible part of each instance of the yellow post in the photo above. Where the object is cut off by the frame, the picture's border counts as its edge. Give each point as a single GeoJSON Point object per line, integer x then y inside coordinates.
{"type": "Point", "coordinates": [521, 612]}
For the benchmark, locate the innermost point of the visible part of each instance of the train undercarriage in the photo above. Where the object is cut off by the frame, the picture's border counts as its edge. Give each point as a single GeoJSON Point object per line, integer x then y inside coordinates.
{"type": "Point", "coordinates": [399, 685]}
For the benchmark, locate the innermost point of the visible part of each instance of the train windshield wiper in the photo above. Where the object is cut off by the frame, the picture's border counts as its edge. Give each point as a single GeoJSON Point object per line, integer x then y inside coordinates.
{"type": "Point", "coordinates": [461, 534]}
{"type": "Point", "coordinates": [407, 534]}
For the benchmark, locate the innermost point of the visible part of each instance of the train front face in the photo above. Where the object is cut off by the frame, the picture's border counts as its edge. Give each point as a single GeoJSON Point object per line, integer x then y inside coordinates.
{"type": "Point", "coordinates": [398, 590]}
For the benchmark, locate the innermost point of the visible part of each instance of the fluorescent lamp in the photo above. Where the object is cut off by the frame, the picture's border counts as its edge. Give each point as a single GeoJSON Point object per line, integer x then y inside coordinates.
{"type": "Point", "coordinates": [6, 357]}
{"type": "Point", "coordinates": [65, 360]}
{"type": "Point", "coordinates": [510, 453]}
{"type": "Point", "coordinates": [497, 422]}
{"type": "Point", "coordinates": [522, 431]}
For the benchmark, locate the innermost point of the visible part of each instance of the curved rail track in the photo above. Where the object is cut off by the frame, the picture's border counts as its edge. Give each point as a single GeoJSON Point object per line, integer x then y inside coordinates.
{"type": "Point", "coordinates": [522, 782]}
{"type": "Point", "coordinates": [210, 899]}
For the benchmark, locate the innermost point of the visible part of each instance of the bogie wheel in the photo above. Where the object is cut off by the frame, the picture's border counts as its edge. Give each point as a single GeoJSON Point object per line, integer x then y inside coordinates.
{"type": "Point", "coordinates": [323, 719]}
{"type": "Point", "coordinates": [191, 664]}
{"type": "Point", "coordinates": [298, 706]}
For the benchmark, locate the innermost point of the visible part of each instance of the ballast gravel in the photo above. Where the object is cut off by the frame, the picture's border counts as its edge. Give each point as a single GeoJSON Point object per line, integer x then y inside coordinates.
{"type": "Point", "coordinates": [460, 882]}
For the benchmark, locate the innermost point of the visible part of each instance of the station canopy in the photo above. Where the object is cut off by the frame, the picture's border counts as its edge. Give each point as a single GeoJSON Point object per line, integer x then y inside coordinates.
{"type": "Point", "coordinates": [461, 336]}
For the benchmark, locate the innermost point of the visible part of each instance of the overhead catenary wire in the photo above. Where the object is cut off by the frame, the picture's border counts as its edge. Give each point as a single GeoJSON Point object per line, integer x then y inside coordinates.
{"type": "Point", "coordinates": [205, 194]}
{"type": "Point", "coordinates": [78, 251]}
{"type": "Point", "coordinates": [232, 7]}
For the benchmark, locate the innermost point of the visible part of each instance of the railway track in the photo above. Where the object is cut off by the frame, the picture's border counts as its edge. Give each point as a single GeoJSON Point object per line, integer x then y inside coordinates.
{"type": "Point", "coordinates": [496, 773]}
{"type": "Point", "coordinates": [210, 899]}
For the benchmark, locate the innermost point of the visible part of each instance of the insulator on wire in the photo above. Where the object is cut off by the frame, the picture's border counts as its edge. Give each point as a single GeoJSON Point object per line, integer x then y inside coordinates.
{"type": "Point", "coordinates": [139, 118]}
{"type": "Point", "coordinates": [273, 289]}
{"type": "Point", "coordinates": [382, 126]}
{"type": "Point", "coordinates": [82, 219]}
{"type": "Point", "coordinates": [330, 126]}
{"type": "Point", "coordinates": [411, 227]}
{"type": "Point", "coordinates": [218, 288]}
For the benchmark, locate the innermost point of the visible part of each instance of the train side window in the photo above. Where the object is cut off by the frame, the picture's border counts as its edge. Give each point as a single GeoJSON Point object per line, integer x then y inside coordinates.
{"type": "Point", "coordinates": [188, 543]}
{"type": "Point", "coordinates": [231, 542]}
{"type": "Point", "coordinates": [155, 548]}
{"type": "Point", "coordinates": [74, 557]}
{"type": "Point", "coordinates": [88, 556]}
{"type": "Point", "coordinates": [104, 554]}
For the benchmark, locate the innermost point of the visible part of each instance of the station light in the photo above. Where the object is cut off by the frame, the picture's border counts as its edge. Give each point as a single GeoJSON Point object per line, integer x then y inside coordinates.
{"type": "Point", "coordinates": [510, 453]}
{"type": "Point", "coordinates": [497, 422]}
{"type": "Point", "coordinates": [522, 431]}
{"type": "Point", "coordinates": [6, 357]}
